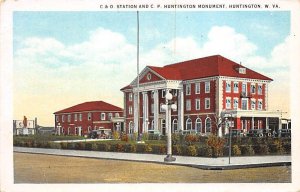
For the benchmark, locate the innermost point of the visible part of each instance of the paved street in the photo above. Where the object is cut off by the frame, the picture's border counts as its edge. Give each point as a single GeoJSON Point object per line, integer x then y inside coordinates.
{"type": "Point", "coordinates": [42, 168]}
{"type": "Point", "coordinates": [199, 162]}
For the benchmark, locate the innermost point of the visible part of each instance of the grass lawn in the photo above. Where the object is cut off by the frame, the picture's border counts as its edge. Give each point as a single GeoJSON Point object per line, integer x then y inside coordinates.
{"type": "Point", "coordinates": [35, 168]}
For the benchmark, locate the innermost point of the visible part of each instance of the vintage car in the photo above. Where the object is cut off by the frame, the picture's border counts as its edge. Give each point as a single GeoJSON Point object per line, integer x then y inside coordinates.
{"type": "Point", "coordinates": [100, 134]}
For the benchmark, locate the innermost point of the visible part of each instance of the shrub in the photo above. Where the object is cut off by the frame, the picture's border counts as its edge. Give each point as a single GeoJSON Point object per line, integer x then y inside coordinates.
{"type": "Point", "coordinates": [279, 147]}
{"type": "Point", "coordinates": [124, 137]}
{"type": "Point", "coordinates": [190, 139]}
{"type": "Point", "coordinates": [104, 147]}
{"type": "Point", "coordinates": [217, 145]}
{"type": "Point", "coordinates": [153, 136]}
{"type": "Point", "coordinates": [261, 149]}
{"type": "Point", "coordinates": [94, 146]}
{"type": "Point", "coordinates": [287, 148]}
{"type": "Point", "coordinates": [247, 150]}
{"type": "Point", "coordinates": [176, 150]}
{"type": "Point", "coordinates": [132, 148]}
{"type": "Point", "coordinates": [88, 146]}
{"type": "Point", "coordinates": [140, 148]}
{"type": "Point", "coordinates": [119, 147]}
{"type": "Point", "coordinates": [205, 151]}
{"type": "Point", "coordinates": [163, 137]}
{"type": "Point", "coordinates": [70, 145]}
{"type": "Point", "coordinates": [55, 145]}
{"type": "Point", "coordinates": [80, 146]}
{"type": "Point", "coordinates": [64, 145]}
{"type": "Point", "coordinates": [116, 135]}
{"type": "Point", "coordinates": [148, 148]}
{"type": "Point", "coordinates": [192, 150]}
{"type": "Point", "coordinates": [162, 149]}
{"type": "Point", "coordinates": [236, 150]}
{"type": "Point", "coordinates": [202, 139]}
{"type": "Point", "coordinates": [145, 136]}
{"type": "Point", "coordinates": [175, 138]}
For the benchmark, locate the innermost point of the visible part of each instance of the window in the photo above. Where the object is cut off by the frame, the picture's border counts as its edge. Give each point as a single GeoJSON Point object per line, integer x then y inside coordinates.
{"type": "Point", "coordinates": [152, 125]}
{"type": "Point", "coordinates": [75, 117]}
{"type": "Point", "coordinates": [69, 128]}
{"type": "Point", "coordinates": [89, 116]}
{"type": "Point", "coordinates": [152, 108]}
{"type": "Point", "coordinates": [63, 118]}
{"type": "Point", "coordinates": [188, 124]}
{"type": "Point", "coordinates": [207, 125]}
{"type": "Point", "coordinates": [235, 87]}
{"type": "Point", "coordinates": [207, 103]}
{"type": "Point", "coordinates": [259, 89]}
{"type": "Point", "coordinates": [175, 92]}
{"type": "Point", "coordinates": [69, 118]}
{"type": "Point", "coordinates": [149, 76]}
{"type": "Point", "coordinates": [188, 105]}
{"type": "Point", "coordinates": [253, 103]}
{"type": "Point", "coordinates": [110, 115]}
{"type": "Point", "coordinates": [244, 104]}
{"type": "Point", "coordinates": [198, 125]}
{"type": "Point", "coordinates": [161, 108]}
{"type": "Point", "coordinates": [130, 126]}
{"type": "Point", "coordinates": [89, 129]}
{"type": "Point", "coordinates": [207, 87]}
{"type": "Point", "coordinates": [228, 87]}
{"type": "Point", "coordinates": [130, 96]}
{"type": "Point", "coordinates": [235, 103]}
{"type": "Point", "coordinates": [176, 105]}
{"type": "Point", "coordinates": [130, 110]}
{"type": "Point", "coordinates": [57, 118]}
{"type": "Point", "coordinates": [102, 116]}
{"type": "Point", "coordinates": [117, 115]}
{"type": "Point", "coordinates": [259, 107]}
{"type": "Point", "coordinates": [163, 93]}
{"type": "Point", "coordinates": [188, 89]}
{"type": "Point", "coordinates": [252, 87]}
{"type": "Point", "coordinates": [197, 88]}
{"type": "Point", "coordinates": [228, 103]}
{"type": "Point", "coordinates": [80, 117]}
{"type": "Point", "coordinates": [197, 101]}
{"type": "Point", "coordinates": [244, 88]}
{"type": "Point", "coordinates": [174, 125]}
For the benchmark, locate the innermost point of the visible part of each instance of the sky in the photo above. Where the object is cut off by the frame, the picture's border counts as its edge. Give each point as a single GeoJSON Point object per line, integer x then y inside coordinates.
{"type": "Point", "coordinates": [65, 58]}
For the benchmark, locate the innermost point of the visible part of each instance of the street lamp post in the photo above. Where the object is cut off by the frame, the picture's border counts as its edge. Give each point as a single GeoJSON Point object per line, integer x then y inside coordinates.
{"type": "Point", "coordinates": [167, 107]}
{"type": "Point", "coordinates": [230, 135]}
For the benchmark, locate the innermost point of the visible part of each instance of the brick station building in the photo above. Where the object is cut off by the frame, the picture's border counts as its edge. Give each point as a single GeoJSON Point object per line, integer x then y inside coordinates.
{"type": "Point", "coordinates": [82, 118]}
{"type": "Point", "coordinates": [204, 90]}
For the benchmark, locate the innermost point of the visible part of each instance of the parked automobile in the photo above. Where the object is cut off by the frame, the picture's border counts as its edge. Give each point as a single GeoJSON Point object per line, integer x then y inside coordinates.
{"type": "Point", "coordinates": [235, 133]}
{"type": "Point", "coordinates": [284, 133]}
{"type": "Point", "coordinates": [255, 133]}
{"type": "Point", "coordinates": [100, 134]}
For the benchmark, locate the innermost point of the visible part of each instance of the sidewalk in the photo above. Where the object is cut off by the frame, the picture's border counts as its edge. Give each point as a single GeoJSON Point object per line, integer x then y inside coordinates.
{"type": "Point", "coordinates": [198, 162]}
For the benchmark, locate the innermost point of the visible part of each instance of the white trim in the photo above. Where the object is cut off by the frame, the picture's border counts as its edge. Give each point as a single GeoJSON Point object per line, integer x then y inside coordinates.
{"type": "Point", "coordinates": [205, 125]}
{"type": "Point", "coordinates": [198, 122]}
{"type": "Point", "coordinates": [186, 123]}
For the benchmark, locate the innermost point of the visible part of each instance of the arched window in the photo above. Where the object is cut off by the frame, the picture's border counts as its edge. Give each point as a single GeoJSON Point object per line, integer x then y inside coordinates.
{"type": "Point", "coordinates": [188, 124]}
{"type": "Point", "coordinates": [130, 126]}
{"type": "Point", "coordinates": [198, 125]}
{"type": "Point", "coordinates": [175, 125]}
{"type": "Point", "coordinates": [207, 125]}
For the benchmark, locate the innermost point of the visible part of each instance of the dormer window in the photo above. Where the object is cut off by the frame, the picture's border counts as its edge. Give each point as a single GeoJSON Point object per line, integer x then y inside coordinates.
{"type": "Point", "coordinates": [241, 70]}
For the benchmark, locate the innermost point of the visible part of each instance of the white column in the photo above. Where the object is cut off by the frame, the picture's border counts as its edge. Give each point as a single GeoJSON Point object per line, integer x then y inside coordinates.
{"type": "Point", "coordinates": [124, 112]}
{"type": "Point", "coordinates": [167, 114]}
{"type": "Point", "coordinates": [267, 123]}
{"type": "Point", "coordinates": [136, 116]}
{"type": "Point", "coordinates": [156, 110]}
{"type": "Point", "coordinates": [252, 121]}
{"type": "Point", "coordinates": [180, 110]}
{"type": "Point", "coordinates": [145, 112]}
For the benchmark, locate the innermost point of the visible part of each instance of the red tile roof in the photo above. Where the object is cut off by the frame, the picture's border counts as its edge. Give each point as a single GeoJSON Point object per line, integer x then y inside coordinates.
{"type": "Point", "coordinates": [205, 67]}
{"type": "Point", "coordinates": [91, 106]}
